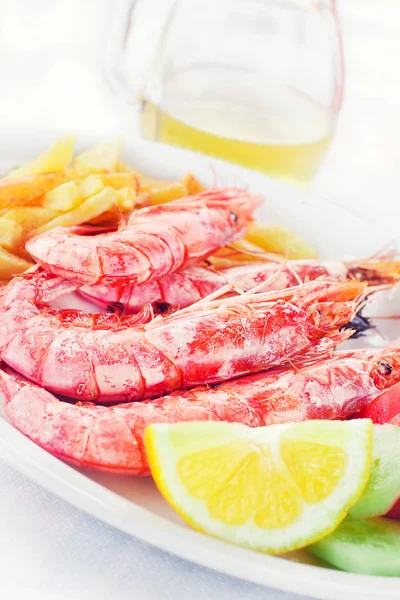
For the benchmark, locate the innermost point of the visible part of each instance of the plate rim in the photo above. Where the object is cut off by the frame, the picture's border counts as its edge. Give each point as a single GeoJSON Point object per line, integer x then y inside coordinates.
{"type": "Point", "coordinates": [96, 500]}
{"type": "Point", "coordinates": [102, 503]}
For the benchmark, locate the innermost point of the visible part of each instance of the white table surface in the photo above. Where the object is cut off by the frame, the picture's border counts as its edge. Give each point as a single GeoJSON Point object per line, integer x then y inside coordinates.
{"type": "Point", "coordinates": [48, 51]}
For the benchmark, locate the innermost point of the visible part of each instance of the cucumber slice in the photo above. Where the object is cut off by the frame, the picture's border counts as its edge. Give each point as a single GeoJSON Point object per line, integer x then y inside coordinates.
{"type": "Point", "coordinates": [383, 487]}
{"type": "Point", "coordinates": [369, 547]}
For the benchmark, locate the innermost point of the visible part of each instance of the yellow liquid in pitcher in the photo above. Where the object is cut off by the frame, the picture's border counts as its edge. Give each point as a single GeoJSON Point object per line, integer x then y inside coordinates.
{"type": "Point", "coordinates": [268, 127]}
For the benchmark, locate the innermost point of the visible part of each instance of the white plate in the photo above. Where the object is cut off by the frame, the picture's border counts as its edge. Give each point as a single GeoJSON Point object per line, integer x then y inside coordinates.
{"type": "Point", "coordinates": [134, 505]}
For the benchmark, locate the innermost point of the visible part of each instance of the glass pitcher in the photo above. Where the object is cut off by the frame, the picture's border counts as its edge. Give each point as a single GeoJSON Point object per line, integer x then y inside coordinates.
{"type": "Point", "coordinates": [257, 82]}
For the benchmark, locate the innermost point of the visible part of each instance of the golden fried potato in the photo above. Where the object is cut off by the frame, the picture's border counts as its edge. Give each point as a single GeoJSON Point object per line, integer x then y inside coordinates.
{"type": "Point", "coordinates": [94, 183]}
{"type": "Point", "coordinates": [101, 158]}
{"type": "Point", "coordinates": [122, 167]}
{"type": "Point", "coordinates": [11, 265]}
{"type": "Point", "coordinates": [236, 254]}
{"type": "Point", "coordinates": [89, 209]}
{"type": "Point", "coordinates": [26, 190]}
{"type": "Point", "coordinates": [54, 159]}
{"type": "Point", "coordinates": [192, 184]}
{"type": "Point", "coordinates": [63, 198]}
{"type": "Point", "coordinates": [30, 217]}
{"type": "Point", "coordinates": [125, 199]}
{"type": "Point", "coordinates": [11, 235]}
{"type": "Point", "coordinates": [91, 185]}
{"type": "Point", "coordinates": [118, 181]}
{"type": "Point", "coordinates": [162, 190]}
{"type": "Point", "coordinates": [275, 238]}
{"type": "Point", "coordinates": [151, 183]}
{"type": "Point", "coordinates": [164, 193]}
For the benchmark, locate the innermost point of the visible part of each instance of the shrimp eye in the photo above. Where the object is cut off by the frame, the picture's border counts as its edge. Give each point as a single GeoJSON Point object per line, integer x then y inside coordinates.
{"type": "Point", "coordinates": [162, 307]}
{"type": "Point", "coordinates": [234, 217]}
{"type": "Point", "coordinates": [357, 274]}
{"type": "Point", "coordinates": [384, 367]}
{"type": "Point", "coordinates": [115, 307]}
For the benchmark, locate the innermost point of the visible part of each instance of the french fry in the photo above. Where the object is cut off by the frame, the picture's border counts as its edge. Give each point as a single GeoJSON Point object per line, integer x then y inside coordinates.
{"type": "Point", "coordinates": [11, 235]}
{"type": "Point", "coordinates": [155, 184]}
{"type": "Point", "coordinates": [166, 193]}
{"type": "Point", "coordinates": [91, 185]}
{"type": "Point", "coordinates": [25, 190]}
{"type": "Point", "coordinates": [238, 253]}
{"type": "Point", "coordinates": [63, 198]}
{"type": "Point", "coordinates": [125, 199]}
{"type": "Point", "coordinates": [94, 183]}
{"type": "Point", "coordinates": [30, 217]}
{"type": "Point", "coordinates": [54, 159]}
{"type": "Point", "coordinates": [122, 167]}
{"type": "Point", "coordinates": [101, 158]}
{"type": "Point", "coordinates": [11, 265]}
{"type": "Point", "coordinates": [192, 185]}
{"type": "Point", "coordinates": [161, 190]}
{"type": "Point", "coordinates": [118, 181]}
{"type": "Point", "coordinates": [275, 238]}
{"type": "Point", "coordinates": [89, 209]}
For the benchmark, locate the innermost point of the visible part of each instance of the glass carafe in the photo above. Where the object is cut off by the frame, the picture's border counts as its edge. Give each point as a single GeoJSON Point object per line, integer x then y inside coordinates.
{"type": "Point", "coordinates": [257, 82]}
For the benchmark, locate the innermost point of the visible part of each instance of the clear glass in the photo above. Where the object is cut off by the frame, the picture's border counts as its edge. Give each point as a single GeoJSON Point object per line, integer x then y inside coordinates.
{"type": "Point", "coordinates": [257, 82]}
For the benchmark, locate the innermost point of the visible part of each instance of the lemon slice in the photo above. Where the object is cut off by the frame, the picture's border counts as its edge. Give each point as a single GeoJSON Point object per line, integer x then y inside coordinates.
{"type": "Point", "coordinates": [274, 489]}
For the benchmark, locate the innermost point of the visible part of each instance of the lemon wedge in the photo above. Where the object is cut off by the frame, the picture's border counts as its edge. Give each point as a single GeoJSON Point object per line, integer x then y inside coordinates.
{"type": "Point", "coordinates": [273, 489]}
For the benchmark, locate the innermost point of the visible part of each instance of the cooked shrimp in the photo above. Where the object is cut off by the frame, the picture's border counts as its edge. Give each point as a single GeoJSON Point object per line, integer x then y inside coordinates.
{"type": "Point", "coordinates": [187, 286]}
{"type": "Point", "coordinates": [212, 341]}
{"type": "Point", "coordinates": [110, 438]}
{"type": "Point", "coordinates": [157, 241]}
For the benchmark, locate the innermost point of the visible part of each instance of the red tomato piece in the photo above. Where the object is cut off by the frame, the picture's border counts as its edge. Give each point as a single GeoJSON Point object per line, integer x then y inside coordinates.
{"type": "Point", "coordinates": [385, 408]}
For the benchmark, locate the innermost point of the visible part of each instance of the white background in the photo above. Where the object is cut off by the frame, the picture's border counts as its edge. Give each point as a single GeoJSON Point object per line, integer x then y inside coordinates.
{"type": "Point", "coordinates": [50, 79]}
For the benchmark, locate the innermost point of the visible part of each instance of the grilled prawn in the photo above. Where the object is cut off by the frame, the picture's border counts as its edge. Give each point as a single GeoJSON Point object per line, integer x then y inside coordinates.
{"type": "Point", "coordinates": [156, 242]}
{"type": "Point", "coordinates": [183, 288]}
{"type": "Point", "coordinates": [93, 358]}
{"type": "Point", "coordinates": [110, 438]}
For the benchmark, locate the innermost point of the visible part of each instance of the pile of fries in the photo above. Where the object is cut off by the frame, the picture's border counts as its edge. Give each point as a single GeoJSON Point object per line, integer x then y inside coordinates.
{"type": "Point", "coordinates": [95, 188]}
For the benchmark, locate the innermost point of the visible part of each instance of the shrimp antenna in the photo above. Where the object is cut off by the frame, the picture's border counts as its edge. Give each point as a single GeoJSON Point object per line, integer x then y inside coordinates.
{"type": "Point", "coordinates": [293, 272]}
{"type": "Point", "coordinates": [269, 280]}
{"type": "Point", "coordinates": [214, 175]}
{"type": "Point", "coordinates": [225, 289]}
{"type": "Point", "coordinates": [387, 252]}
{"type": "Point", "coordinates": [296, 368]}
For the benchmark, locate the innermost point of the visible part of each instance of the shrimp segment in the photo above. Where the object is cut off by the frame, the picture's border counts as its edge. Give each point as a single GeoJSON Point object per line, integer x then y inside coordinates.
{"type": "Point", "coordinates": [183, 288]}
{"type": "Point", "coordinates": [157, 240]}
{"type": "Point", "coordinates": [111, 438]}
{"type": "Point", "coordinates": [209, 342]}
